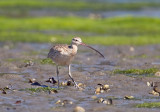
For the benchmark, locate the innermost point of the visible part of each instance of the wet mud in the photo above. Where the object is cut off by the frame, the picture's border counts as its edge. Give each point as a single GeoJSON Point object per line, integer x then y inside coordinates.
{"type": "Point", "coordinates": [87, 68]}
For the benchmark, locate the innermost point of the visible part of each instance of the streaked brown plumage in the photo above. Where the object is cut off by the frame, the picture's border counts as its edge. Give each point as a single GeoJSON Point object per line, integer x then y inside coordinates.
{"type": "Point", "coordinates": [64, 54]}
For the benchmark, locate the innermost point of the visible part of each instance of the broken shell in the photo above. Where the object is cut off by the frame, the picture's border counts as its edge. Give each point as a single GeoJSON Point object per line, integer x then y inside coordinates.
{"type": "Point", "coordinates": [128, 97]}
{"type": "Point", "coordinates": [156, 89]}
{"type": "Point", "coordinates": [7, 87]}
{"type": "Point", "coordinates": [29, 63]}
{"type": "Point", "coordinates": [63, 84]}
{"type": "Point", "coordinates": [105, 87]}
{"type": "Point", "coordinates": [98, 90]}
{"type": "Point", "coordinates": [67, 102]}
{"type": "Point", "coordinates": [53, 91]}
{"type": "Point", "coordinates": [101, 100]}
{"type": "Point", "coordinates": [100, 84]}
{"type": "Point", "coordinates": [79, 109]}
{"type": "Point", "coordinates": [102, 88]}
{"type": "Point", "coordinates": [154, 93]}
{"type": "Point", "coordinates": [32, 80]}
{"type": "Point", "coordinates": [51, 80]}
{"type": "Point", "coordinates": [81, 85]}
{"type": "Point", "coordinates": [58, 102]}
{"type": "Point", "coordinates": [157, 74]}
{"type": "Point", "coordinates": [64, 102]}
{"type": "Point", "coordinates": [108, 102]}
{"type": "Point", "coordinates": [67, 83]}
{"type": "Point", "coordinates": [149, 83]}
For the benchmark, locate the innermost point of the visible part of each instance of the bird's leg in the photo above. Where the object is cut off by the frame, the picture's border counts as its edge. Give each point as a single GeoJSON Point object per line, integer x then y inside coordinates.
{"type": "Point", "coordinates": [69, 73]}
{"type": "Point", "coordinates": [57, 74]}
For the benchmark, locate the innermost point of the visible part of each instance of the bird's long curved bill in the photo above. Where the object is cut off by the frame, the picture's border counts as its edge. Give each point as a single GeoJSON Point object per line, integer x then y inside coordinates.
{"type": "Point", "coordinates": [92, 49]}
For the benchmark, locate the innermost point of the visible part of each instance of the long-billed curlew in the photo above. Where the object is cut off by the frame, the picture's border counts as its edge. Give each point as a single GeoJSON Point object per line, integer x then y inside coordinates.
{"type": "Point", "coordinates": [64, 54]}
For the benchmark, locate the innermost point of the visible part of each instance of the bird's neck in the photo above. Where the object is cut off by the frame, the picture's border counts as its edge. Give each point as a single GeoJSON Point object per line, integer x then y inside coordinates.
{"type": "Point", "coordinates": [74, 47]}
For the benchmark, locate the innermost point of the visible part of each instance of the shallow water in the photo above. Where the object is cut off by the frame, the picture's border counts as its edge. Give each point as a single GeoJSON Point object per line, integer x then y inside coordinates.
{"type": "Point", "coordinates": [90, 71]}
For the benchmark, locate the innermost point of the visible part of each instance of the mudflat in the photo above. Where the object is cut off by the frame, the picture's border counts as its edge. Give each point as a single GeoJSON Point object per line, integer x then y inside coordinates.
{"type": "Point", "coordinates": [22, 62]}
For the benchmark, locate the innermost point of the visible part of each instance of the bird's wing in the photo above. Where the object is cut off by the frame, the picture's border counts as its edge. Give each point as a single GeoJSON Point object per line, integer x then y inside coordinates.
{"type": "Point", "coordinates": [57, 49]}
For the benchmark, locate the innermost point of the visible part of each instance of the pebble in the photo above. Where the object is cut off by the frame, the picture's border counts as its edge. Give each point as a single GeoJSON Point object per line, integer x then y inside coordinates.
{"type": "Point", "coordinates": [79, 109]}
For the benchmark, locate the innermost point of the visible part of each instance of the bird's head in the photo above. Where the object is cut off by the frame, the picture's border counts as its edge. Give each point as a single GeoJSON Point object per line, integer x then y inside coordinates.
{"type": "Point", "coordinates": [76, 41]}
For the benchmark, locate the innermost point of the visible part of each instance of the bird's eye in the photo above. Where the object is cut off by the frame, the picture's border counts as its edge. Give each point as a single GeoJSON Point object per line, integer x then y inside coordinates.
{"type": "Point", "coordinates": [76, 40]}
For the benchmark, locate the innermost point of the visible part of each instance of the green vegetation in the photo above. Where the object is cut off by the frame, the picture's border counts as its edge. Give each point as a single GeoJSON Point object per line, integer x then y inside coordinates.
{"type": "Point", "coordinates": [47, 61]}
{"type": "Point", "coordinates": [39, 89]}
{"type": "Point", "coordinates": [75, 5]}
{"type": "Point", "coordinates": [149, 71]}
{"type": "Point", "coordinates": [149, 105]}
{"type": "Point", "coordinates": [109, 31]}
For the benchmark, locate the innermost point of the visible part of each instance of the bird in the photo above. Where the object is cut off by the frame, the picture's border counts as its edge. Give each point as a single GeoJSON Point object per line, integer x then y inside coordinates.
{"type": "Point", "coordinates": [62, 55]}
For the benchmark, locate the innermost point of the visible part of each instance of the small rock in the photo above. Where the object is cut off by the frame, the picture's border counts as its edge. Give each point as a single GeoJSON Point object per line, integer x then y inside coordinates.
{"type": "Point", "coordinates": [129, 97]}
{"type": "Point", "coordinates": [79, 109]}
{"type": "Point", "coordinates": [157, 74]}
{"type": "Point", "coordinates": [18, 102]}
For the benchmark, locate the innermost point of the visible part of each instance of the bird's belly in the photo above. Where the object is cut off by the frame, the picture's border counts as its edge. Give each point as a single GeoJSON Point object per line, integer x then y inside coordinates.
{"type": "Point", "coordinates": [63, 60]}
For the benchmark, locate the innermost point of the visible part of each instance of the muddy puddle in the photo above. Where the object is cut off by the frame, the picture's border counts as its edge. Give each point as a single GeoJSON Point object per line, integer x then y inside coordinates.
{"type": "Point", "coordinates": [87, 68]}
